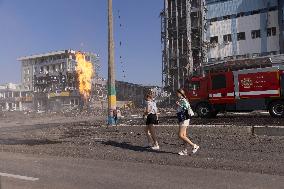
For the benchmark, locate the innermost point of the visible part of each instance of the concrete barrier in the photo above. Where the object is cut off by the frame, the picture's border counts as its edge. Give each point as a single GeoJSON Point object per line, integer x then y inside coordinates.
{"type": "Point", "coordinates": [268, 130]}
{"type": "Point", "coordinates": [229, 130]}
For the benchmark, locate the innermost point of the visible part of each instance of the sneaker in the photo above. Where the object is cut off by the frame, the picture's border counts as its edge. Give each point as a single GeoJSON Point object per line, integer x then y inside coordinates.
{"type": "Point", "coordinates": [183, 153]}
{"type": "Point", "coordinates": [156, 147]}
{"type": "Point", "coordinates": [195, 148]}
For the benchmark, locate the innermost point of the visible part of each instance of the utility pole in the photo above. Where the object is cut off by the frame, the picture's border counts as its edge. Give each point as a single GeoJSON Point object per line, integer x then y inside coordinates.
{"type": "Point", "coordinates": [111, 68]}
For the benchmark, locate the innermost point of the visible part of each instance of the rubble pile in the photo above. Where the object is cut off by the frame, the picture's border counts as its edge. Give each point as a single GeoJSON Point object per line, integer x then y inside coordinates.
{"type": "Point", "coordinates": [85, 112]}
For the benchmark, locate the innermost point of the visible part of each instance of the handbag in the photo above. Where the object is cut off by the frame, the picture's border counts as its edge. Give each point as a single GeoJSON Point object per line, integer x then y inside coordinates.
{"type": "Point", "coordinates": [183, 115]}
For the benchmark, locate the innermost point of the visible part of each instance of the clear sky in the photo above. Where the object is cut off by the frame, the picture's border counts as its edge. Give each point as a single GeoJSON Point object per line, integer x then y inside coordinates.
{"type": "Point", "coordinates": [37, 26]}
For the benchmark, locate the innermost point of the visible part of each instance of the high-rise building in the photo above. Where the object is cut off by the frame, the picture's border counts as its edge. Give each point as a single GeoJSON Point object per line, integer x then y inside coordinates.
{"type": "Point", "coordinates": [244, 28]}
{"type": "Point", "coordinates": [198, 34]}
{"type": "Point", "coordinates": [182, 39]}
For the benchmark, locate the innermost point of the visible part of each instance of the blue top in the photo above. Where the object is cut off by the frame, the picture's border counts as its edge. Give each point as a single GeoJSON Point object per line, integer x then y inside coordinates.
{"type": "Point", "coordinates": [183, 105]}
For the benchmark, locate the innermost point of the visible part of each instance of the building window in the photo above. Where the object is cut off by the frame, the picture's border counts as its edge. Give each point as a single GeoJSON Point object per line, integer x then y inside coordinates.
{"type": "Point", "coordinates": [227, 38]}
{"type": "Point", "coordinates": [213, 20]}
{"type": "Point", "coordinates": [255, 34]}
{"type": "Point", "coordinates": [214, 39]}
{"type": "Point", "coordinates": [273, 8]}
{"type": "Point", "coordinates": [255, 12]}
{"type": "Point", "coordinates": [241, 14]}
{"type": "Point", "coordinates": [271, 31]}
{"type": "Point", "coordinates": [227, 17]}
{"type": "Point", "coordinates": [241, 36]}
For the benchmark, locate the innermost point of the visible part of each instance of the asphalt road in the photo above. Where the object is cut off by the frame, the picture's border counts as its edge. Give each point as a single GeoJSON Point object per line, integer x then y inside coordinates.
{"type": "Point", "coordinates": [34, 172]}
{"type": "Point", "coordinates": [84, 154]}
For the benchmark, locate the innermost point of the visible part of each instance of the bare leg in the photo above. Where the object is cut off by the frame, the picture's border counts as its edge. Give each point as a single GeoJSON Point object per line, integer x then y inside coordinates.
{"type": "Point", "coordinates": [182, 136]}
{"type": "Point", "coordinates": [148, 135]}
{"type": "Point", "coordinates": [153, 134]}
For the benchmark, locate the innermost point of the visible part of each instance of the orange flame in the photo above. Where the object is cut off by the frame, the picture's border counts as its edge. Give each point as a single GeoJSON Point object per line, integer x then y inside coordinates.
{"type": "Point", "coordinates": [84, 70]}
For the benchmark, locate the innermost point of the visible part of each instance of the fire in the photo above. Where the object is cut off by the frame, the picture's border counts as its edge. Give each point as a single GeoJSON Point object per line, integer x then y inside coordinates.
{"type": "Point", "coordinates": [84, 70]}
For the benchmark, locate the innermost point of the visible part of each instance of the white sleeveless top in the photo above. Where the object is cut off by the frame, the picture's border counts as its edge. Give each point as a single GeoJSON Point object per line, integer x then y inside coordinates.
{"type": "Point", "coordinates": [152, 107]}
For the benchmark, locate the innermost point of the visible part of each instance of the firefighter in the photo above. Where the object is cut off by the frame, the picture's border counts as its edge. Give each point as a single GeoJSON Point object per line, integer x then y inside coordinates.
{"type": "Point", "coordinates": [184, 112]}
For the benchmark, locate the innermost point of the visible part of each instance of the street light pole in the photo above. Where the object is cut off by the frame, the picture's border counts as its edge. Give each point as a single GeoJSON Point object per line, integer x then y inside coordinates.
{"type": "Point", "coordinates": [111, 68]}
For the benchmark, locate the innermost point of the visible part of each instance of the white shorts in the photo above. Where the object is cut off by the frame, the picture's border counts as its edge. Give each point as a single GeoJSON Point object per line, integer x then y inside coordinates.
{"type": "Point", "coordinates": [185, 123]}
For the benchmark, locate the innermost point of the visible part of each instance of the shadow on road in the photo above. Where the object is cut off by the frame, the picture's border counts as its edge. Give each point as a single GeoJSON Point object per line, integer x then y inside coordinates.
{"type": "Point", "coordinates": [126, 145]}
{"type": "Point", "coordinates": [29, 142]}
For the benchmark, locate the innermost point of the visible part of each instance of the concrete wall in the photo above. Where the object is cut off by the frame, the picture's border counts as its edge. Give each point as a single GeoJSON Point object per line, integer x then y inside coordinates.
{"type": "Point", "coordinates": [27, 75]}
{"type": "Point", "coordinates": [281, 24]}
{"type": "Point", "coordinates": [263, 20]}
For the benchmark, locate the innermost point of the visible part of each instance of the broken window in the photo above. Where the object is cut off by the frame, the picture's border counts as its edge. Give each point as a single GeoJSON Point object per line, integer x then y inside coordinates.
{"type": "Point", "coordinates": [255, 34]}
{"type": "Point", "coordinates": [227, 38]}
{"type": "Point", "coordinates": [214, 39]}
{"type": "Point", "coordinates": [271, 31]}
{"type": "Point", "coordinates": [213, 19]}
{"type": "Point", "coordinates": [241, 36]}
{"type": "Point", "coordinates": [255, 12]}
{"type": "Point", "coordinates": [241, 14]}
{"type": "Point", "coordinates": [273, 8]}
{"type": "Point", "coordinates": [227, 17]}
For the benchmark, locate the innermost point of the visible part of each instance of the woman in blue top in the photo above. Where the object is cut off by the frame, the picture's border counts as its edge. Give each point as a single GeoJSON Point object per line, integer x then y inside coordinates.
{"type": "Point", "coordinates": [183, 109]}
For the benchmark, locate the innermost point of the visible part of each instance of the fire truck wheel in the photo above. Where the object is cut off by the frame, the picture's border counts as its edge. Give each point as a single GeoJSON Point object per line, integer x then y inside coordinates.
{"type": "Point", "coordinates": [204, 110]}
{"type": "Point", "coordinates": [276, 109]}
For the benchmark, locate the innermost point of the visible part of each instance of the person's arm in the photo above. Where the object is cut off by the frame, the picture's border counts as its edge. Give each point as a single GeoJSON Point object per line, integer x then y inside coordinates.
{"type": "Point", "coordinates": [146, 110]}
{"type": "Point", "coordinates": [157, 114]}
{"type": "Point", "coordinates": [178, 103]}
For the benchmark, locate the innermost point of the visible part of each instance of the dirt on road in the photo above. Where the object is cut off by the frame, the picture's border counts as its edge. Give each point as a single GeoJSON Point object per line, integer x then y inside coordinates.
{"type": "Point", "coordinates": [90, 139]}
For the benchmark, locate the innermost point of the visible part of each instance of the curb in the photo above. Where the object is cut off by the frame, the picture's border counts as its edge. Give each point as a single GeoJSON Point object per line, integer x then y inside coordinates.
{"type": "Point", "coordinates": [229, 130]}
{"type": "Point", "coordinates": [268, 130]}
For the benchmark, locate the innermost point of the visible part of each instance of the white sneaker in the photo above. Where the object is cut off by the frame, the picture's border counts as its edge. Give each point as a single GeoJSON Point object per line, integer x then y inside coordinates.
{"type": "Point", "coordinates": [195, 148]}
{"type": "Point", "coordinates": [183, 153]}
{"type": "Point", "coordinates": [156, 147]}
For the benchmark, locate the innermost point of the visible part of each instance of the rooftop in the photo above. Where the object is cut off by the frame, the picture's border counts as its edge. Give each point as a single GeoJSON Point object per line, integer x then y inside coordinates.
{"type": "Point", "coordinates": [46, 54]}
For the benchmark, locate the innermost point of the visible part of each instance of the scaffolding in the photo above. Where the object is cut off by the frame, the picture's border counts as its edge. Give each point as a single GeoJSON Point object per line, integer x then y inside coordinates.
{"type": "Point", "coordinates": [182, 29]}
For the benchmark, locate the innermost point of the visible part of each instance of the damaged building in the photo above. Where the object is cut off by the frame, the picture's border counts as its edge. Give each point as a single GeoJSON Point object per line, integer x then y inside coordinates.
{"type": "Point", "coordinates": [243, 29]}
{"type": "Point", "coordinates": [197, 34]}
{"type": "Point", "coordinates": [132, 92]}
{"type": "Point", "coordinates": [125, 92]}
{"type": "Point", "coordinates": [14, 98]}
{"type": "Point", "coordinates": [53, 80]}
{"type": "Point", "coordinates": [183, 23]}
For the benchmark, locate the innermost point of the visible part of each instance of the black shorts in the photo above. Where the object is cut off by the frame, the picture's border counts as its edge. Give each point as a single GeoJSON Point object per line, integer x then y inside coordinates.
{"type": "Point", "coordinates": [151, 119]}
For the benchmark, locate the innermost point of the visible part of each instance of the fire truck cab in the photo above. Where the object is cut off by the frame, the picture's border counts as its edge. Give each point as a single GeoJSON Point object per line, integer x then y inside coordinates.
{"type": "Point", "coordinates": [238, 91]}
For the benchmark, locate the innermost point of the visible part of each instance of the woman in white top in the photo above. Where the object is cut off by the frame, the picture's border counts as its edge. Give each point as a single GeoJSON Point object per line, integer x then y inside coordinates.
{"type": "Point", "coordinates": [151, 113]}
{"type": "Point", "coordinates": [184, 111]}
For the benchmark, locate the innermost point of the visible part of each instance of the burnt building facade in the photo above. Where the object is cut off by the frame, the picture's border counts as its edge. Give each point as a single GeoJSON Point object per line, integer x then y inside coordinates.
{"type": "Point", "coordinates": [52, 78]}
{"type": "Point", "coordinates": [14, 98]}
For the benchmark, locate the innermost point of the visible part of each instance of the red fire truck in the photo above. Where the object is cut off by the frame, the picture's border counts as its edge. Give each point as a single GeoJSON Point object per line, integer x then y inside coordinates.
{"type": "Point", "coordinates": [238, 91]}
